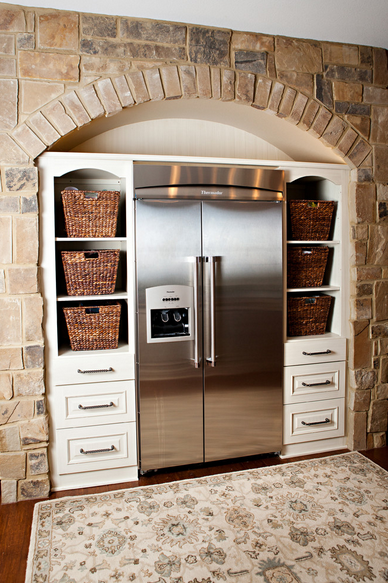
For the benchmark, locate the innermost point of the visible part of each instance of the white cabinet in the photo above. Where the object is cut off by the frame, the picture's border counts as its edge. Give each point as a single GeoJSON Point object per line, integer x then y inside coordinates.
{"type": "Point", "coordinates": [91, 393]}
{"type": "Point", "coordinates": [315, 365]}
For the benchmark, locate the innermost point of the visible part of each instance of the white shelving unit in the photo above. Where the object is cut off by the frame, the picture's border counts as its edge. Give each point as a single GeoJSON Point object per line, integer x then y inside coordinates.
{"type": "Point", "coordinates": [91, 394]}
{"type": "Point", "coordinates": [315, 366]}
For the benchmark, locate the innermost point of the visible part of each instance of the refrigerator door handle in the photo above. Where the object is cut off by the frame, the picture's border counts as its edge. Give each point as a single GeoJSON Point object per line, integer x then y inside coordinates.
{"type": "Point", "coordinates": [212, 359]}
{"type": "Point", "coordinates": [197, 358]}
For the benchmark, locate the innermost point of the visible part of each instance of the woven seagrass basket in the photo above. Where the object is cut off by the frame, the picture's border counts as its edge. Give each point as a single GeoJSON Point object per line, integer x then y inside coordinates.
{"type": "Point", "coordinates": [90, 213]}
{"type": "Point", "coordinates": [93, 327]}
{"type": "Point", "coordinates": [311, 219]}
{"type": "Point", "coordinates": [308, 315]}
{"type": "Point", "coordinates": [306, 266]}
{"type": "Point", "coordinates": [90, 272]}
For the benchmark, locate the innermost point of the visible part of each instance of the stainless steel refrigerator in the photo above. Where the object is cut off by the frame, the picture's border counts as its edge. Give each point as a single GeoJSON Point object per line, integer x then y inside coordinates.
{"type": "Point", "coordinates": [210, 304]}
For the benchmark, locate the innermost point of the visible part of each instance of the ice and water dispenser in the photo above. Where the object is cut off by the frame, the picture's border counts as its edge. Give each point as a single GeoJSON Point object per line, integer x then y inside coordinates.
{"type": "Point", "coordinates": [169, 313]}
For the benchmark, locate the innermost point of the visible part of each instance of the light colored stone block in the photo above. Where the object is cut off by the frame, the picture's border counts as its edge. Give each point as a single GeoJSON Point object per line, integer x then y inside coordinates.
{"type": "Point", "coordinates": [108, 97]}
{"type": "Point", "coordinates": [8, 103]}
{"type": "Point", "coordinates": [19, 179]}
{"type": "Point", "coordinates": [188, 80]}
{"type": "Point", "coordinates": [8, 491]}
{"type": "Point", "coordinates": [22, 280]}
{"type": "Point", "coordinates": [138, 87]}
{"type": "Point", "coordinates": [215, 75]}
{"type": "Point", "coordinates": [228, 85]}
{"type": "Point", "coordinates": [28, 383]}
{"type": "Point", "coordinates": [245, 87]}
{"type": "Point", "coordinates": [20, 410]}
{"type": "Point", "coordinates": [2, 281]}
{"type": "Point", "coordinates": [75, 108]}
{"type": "Point", "coordinates": [33, 488]}
{"type": "Point", "coordinates": [49, 66]}
{"type": "Point", "coordinates": [10, 152]}
{"type": "Point", "coordinates": [320, 122]}
{"type": "Point", "coordinates": [56, 114]}
{"type": "Point", "coordinates": [9, 438]}
{"type": "Point", "coordinates": [275, 97]}
{"type": "Point", "coordinates": [37, 462]}
{"type": "Point", "coordinates": [12, 466]}
{"type": "Point", "coordinates": [12, 19]}
{"type": "Point", "coordinates": [203, 82]}
{"type": "Point", "coordinates": [171, 82]}
{"type": "Point", "coordinates": [250, 41]}
{"type": "Point", "coordinates": [346, 142]}
{"type": "Point", "coordinates": [34, 431]}
{"type": "Point", "coordinates": [154, 84]}
{"type": "Point", "coordinates": [10, 321]}
{"type": "Point", "coordinates": [7, 44]}
{"type": "Point", "coordinates": [43, 129]}
{"type": "Point", "coordinates": [36, 94]}
{"type": "Point", "coordinates": [10, 358]}
{"type": "Point", "coordinates": [378, 245]}
{"type": "Point", "coordinates": [298, 55]}
{"type": "Point", "coordinates": [287, 102]}
{"type": "Point", "coordinates": [334, 131]}
{"type": "Point", "coordinates": [123, 91]}
{"type": "Point", "coordinates": [58, 30]}
{"type": "Point", "coordinates": [6, 240]}
{"type": "Point", "coordinates": [26, 239]}
{"type": "Point", "coordinates": [9, 204]}
{"type": "Point", "coordinates": [91, 102]}
{"type": "Point", "coordinates": [33, 318]}
{"type": "Point", "coordinates": [7, 67]}
{"type": "Point", "coordinates": [29, 141]}
{"type": "Point", "coordinates": [6, 391]}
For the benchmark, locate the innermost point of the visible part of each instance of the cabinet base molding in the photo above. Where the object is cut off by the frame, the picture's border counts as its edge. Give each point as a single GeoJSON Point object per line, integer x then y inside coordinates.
{"type": "Point", "coordinates": [92, 479]}
{"type": "Point", "coordinates": [313, 447]}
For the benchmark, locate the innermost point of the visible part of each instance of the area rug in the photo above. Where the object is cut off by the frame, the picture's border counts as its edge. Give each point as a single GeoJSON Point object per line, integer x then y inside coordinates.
{"type": "Point", "coordinates": [320, 521]}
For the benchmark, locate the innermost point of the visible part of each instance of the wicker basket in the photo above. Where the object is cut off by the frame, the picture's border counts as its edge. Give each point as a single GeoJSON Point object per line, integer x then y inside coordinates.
{"type": "Point", "coordinates": [306, 266]}
{"type": "Point", "coordinates": [308, 315]}
{"type": "Point", "coordinates": [90, 272]}
{"type": "Point", "coordinates": [90, 213]}
{"type": "Point", "coordinates": [311, 219]}
{"type": "Point", "coordinates": [93, 327]}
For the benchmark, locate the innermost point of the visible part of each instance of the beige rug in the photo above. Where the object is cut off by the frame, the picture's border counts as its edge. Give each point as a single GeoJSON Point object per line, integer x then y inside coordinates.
{"type": "Point", "coordinates": [323, 520]}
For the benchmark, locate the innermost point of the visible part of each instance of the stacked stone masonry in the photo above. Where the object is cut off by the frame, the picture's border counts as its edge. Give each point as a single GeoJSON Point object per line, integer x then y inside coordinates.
{"type": "Point", "coordinates": [61, 70]}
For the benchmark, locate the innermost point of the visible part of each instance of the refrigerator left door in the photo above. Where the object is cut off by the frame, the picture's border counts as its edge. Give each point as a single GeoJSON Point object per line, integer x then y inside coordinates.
{"type": "Point", "coordinates": [170, 386]}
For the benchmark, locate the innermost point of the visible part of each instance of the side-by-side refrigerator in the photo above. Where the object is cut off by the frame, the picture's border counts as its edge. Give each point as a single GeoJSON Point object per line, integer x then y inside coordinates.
{"type": "Point", "coordinates": [210, 304]}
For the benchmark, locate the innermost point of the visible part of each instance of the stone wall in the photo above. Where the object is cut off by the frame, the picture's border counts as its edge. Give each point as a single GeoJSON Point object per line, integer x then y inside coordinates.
{"type": "Point", "coordinates": [60, 70]}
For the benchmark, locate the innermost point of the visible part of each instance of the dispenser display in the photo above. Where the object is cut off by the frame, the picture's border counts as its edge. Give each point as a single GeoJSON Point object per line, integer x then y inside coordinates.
{"type": "Point", "coordinates": [169, 313]}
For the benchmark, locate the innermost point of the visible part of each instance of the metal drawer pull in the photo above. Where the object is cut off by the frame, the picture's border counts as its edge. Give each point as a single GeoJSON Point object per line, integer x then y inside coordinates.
{"type": "Point", "coordinates": [111, 448]}
{"type": "Point", "coordinates": [316, 353]}
{"type": "Point", "coordinates": [327, 420]}
{"type": "Point", "coordinates": [316, 384]}
{"type": "Point", "coordinates": [96, 370]}
{"type": "Point", "coordinates": [96, 406]}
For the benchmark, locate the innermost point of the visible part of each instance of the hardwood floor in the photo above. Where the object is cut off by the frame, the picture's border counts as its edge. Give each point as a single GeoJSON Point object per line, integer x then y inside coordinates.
{"type": "Point", "coordinates": [15, 523]}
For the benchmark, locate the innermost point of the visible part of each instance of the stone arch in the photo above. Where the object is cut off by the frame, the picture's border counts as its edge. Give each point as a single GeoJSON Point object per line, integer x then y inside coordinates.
{"type": "Point", "coordinates": [108, 96]}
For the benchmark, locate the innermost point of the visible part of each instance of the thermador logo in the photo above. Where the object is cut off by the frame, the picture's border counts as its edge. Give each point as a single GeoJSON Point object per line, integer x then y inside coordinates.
{"type": "Point", "coordinates": [211, 192]}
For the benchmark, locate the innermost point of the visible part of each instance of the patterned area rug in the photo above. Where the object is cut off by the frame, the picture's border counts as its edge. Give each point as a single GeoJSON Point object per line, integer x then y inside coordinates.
{"type": "Point", "coordinates": [318, 521]}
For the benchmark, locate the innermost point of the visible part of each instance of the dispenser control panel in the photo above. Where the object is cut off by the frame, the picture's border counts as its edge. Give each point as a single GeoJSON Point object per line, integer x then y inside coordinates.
{"type": "Point", "coordinates": [169, 310]}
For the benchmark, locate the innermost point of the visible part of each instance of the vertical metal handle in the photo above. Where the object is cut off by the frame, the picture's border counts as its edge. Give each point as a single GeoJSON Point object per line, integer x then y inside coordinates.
{"type": "Point", "coordinates": [197, 360]}
{"type": "Point", "coordinates": [212, 359]}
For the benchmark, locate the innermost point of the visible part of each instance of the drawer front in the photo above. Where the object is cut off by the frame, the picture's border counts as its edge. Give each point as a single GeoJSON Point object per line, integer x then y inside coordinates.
{"type": "Point", "coordinates": [94, 404]}
{"type": "Point", "coordinates": [314, 382]}
{"type": "Point", "coordinates": [314, 350]}
{"type": "Point", "coordinates": [96, 448]}
{"type": "Point", "coordinates": [312, 421]}
{"type": "Point", "coordinates": [87, 368]}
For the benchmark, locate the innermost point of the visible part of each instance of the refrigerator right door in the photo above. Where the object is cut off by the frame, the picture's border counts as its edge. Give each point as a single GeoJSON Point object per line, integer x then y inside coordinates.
{"type": "Point", "coordinates": [243, 329]}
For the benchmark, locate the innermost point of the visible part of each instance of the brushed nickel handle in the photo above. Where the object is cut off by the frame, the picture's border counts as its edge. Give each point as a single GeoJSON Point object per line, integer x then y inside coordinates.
{"type": "Point", "coordinates": [111, 448]}
{"type": "Point", "coordinates": [91, 371]}
{"type": "Point", "coordinates": [111, 404]}
{"type": "Point", "coordinates": [327, 420]}
{"type": "Point", "coordinates": [212, 359]}
{"type": "Point", "coordinates": [197, 360]}
{"type": "Point", "coordinates": [327, 382]}
{"type": "Point", "coordinates": [316, 353]}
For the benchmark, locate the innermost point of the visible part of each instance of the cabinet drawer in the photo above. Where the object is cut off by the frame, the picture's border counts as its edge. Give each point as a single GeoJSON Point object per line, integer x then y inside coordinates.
{"type": "Point", "coordinates": [94, 404]}
{"type": "Point", "coordinates": [312, 421]}
{"type": "Point", "coordinates": [96, 448]}
{"type": "Point", "coordinates": [314, 350]}
{"type": "Point", "coordinates": [88, 368]}
{"type": "Point", "coordinates": [314, 382]}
